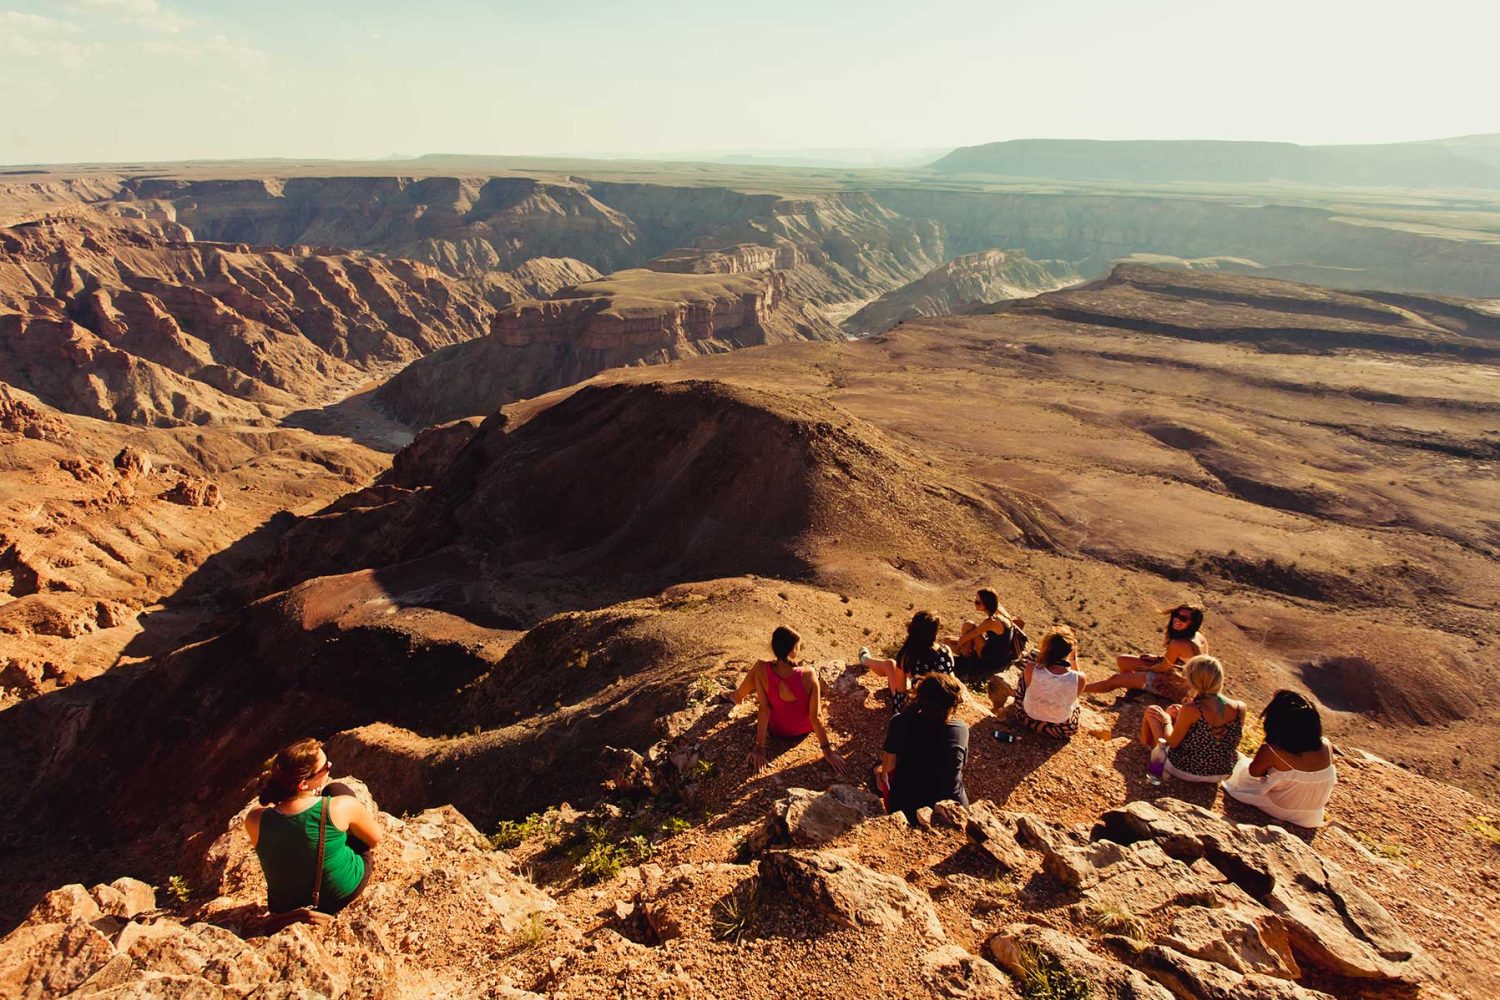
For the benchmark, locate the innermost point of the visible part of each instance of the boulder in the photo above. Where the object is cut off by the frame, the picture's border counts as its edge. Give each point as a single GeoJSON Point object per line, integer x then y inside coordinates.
{"type": "Point", "coordinates": [1241, 939]}
{"type": "Point", "coordinates": [194, 492]}
{"type": "Point", "coordinates": [70, 904]}
{"type": "Point", "coordinates": [995, 833]}
{"type": "Point", "coordinates": [50, 960]}
{"type": "Point", "coordinates": [813, 818]}
{"type": "Point", "coordinates": [1191, 978]}
{"type": "Point", "coordinates": [1033, 954]}
{"type": "Point", "coordinates": [848, 892]}
{"type": "Point", "coordinates": [950, 971]}
{"type": "Point", "coordinates": [1331, 922]}
{"type": "Point", "coordinates": [131, 463]}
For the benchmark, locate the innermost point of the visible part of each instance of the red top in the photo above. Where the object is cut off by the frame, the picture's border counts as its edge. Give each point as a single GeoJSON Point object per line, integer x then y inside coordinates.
{"type": "Point", "coordinates": [790, 717]}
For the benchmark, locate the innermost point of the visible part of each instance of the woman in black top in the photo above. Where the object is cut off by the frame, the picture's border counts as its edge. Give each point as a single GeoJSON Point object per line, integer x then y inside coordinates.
{"type": "Point", "coordinates": [919, 655]}
{"type": "Point", "coordinates": [925, 749]}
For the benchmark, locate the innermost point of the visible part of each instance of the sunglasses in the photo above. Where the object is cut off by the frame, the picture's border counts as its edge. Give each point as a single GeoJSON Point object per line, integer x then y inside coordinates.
{"type": "Point", "coordinates": [327, 766]}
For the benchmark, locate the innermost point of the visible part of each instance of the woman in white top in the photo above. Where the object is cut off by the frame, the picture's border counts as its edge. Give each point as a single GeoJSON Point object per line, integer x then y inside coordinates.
{"type": "Point", "coordinates": [1291, 776]}
{"type": "Point", "coordinates": [1047, 698]}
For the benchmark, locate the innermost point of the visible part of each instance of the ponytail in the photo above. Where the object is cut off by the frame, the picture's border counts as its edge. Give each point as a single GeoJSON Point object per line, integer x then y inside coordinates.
{"type": "Point", "coordinates": [293, 764]}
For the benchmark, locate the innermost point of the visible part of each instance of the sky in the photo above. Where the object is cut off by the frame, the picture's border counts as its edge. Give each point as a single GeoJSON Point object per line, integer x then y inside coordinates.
{"type": "Point", "coordinates": [127, 80]}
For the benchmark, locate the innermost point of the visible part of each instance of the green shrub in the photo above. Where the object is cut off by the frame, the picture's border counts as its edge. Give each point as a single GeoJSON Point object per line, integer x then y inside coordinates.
{"type": "Point", "coordinates": [177, 891]}
{"type": "Point", "coordinates": [1044, 978]}
{"type": "Point", "coordinates": [510, 833]}
{"type": "Point", "coordinates": [673, 825]}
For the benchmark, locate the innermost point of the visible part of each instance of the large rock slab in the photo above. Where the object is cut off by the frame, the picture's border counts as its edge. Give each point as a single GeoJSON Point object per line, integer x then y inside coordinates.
{"type": "Point", "coordinates": [1332, 923]}
{"type": "Point", "coordinates": [950, 971]}
{"type": "Point", "coordinates": [815, 818]}
{"type": "Point", "coordinates": [849, 892]}
{"type": "Point", "coordinates": [1191, 978]}
{"type": "Point", "coordinates": [1033, 954]}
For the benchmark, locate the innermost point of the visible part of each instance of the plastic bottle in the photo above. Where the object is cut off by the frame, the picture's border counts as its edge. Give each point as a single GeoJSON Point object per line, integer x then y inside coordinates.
{"type": "Point", "coordinates": [1157, 766]}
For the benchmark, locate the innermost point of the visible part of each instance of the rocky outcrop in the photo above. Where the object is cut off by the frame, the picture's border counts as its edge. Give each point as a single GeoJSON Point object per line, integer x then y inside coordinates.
{"type": "Point", "coordinates": [850, 893]}
{"type": "Point", "coordinates": [1332, 923]}
{"type": "Point", "coordinates": [811, 819]}
{"type": "Point", "coordinates": [629, 318]}
{"type": "Point", "coordinates": [960, 285]}
{"type": "Point", "coordinates": [736, 259]}
{"type": "Point", "coordinates": [423, 926]}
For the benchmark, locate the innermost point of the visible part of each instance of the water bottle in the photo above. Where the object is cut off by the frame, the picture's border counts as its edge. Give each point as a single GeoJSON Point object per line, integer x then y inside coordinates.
{"type": "Point", "coordinates": [1158, 763]}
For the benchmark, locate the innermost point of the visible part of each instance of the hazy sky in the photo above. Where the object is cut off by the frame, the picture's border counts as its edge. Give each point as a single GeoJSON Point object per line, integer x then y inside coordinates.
{"type": "Point", "coordinates": [111, 80]}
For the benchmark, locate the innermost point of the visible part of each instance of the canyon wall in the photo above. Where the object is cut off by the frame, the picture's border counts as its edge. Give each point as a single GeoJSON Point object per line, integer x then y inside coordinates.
{"type": "Point", "coordinates": [628, 318]}
{"type": "Point", "coordinates": [138, 322]}
{"type": "Point", "coordinates": [959, 285]}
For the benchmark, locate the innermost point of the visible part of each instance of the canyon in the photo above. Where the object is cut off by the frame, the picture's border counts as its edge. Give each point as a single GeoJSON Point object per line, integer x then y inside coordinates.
{"type": "Point", "coordinates": [496, 481]}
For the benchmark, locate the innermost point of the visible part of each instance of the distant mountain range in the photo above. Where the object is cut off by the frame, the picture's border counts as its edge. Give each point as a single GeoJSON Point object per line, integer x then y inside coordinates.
{"type": "Point", "coordinates": [1465, 161]}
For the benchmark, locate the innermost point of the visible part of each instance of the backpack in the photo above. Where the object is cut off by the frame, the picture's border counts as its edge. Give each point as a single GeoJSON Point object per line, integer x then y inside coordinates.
{"type": "Point", "coordinates": [1001, 649]}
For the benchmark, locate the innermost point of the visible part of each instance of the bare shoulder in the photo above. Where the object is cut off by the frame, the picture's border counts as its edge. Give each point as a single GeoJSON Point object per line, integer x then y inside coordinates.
{"type": "Point", "coordinates": [343, 808]}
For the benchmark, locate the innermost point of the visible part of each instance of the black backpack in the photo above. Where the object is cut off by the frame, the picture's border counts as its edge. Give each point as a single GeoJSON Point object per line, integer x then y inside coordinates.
{"type": "Point", "coordinates": [1001, 649]}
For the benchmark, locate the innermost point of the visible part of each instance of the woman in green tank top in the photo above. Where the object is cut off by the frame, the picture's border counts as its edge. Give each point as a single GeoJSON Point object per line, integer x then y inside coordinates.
{"type": "Point", "coordinates": [296, 801]}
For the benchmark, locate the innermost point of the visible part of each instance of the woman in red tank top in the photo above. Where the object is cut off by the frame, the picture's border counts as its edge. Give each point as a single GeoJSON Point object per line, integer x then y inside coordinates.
{"type": "Point", "coordinates": [787, 698]}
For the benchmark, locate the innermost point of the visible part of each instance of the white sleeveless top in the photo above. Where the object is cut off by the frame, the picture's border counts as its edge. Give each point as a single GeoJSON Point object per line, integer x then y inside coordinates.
{"type": "Point", "coordinates": [1296, 797]}
{"type": "Point", "coordinates": [1051, 697]}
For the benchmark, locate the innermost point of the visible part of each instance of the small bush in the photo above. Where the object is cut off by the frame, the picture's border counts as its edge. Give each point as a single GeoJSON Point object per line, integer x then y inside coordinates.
{"type": "Point", "coordinates": [532, 933]}
{"type": "Point", "coordinates": [734, 915]}
{"type": "Point", "coordinates": [1044, 978]}
{"type": "Point", "coordinates": [177, 891]}
{"type": "Point", "coordinates": [603, 858]}
{"type": "Point", "coordinates": [706, 687]}
{"type": "Point", "coordinates": [704, 768]}
{"type": "Point", "coordinates": [1118, 919]}
{"type": "Point", "coordinates": [1389, 850]}
{"type": "Point", "coordinates": [510, 833]}
{"type": "Point", "coordinates": [673, 825]}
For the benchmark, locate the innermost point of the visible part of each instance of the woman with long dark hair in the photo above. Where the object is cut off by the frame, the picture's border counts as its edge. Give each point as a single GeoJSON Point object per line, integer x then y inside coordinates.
{"type": "Point", "coordinates": [1161, 675]}
{"type": "Point", "coordinates": [311, 836]}
{"type": "Point", "coordinates": [925, 749]}
{"type": "Point", "coordinates": [1291, 776]}
{"type": "Point", "coordinates": [919, 655]}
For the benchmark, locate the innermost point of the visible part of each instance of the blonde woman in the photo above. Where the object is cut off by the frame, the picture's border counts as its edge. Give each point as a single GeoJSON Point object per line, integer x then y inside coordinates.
{"type": "Point", "coordinates": [1203, 733]}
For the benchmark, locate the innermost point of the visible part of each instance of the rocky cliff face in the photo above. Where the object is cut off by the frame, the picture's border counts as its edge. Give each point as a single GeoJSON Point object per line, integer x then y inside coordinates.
{"type": "Point", "coordinates": [135, 321]}
{"type": "Point", "coordinates": [629, 318]}
{"type": "Point", "coordinates": [464, 225]}
{"type": "Point", "coordinates": [959, 285]}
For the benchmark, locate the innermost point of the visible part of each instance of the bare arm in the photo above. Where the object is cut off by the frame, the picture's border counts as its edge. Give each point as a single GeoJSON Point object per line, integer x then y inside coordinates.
{"type": "Point", "coordinates": [252, 824]}
{"type": "Point", "coordinates": [1186, 716]}
{"type": "Point", "coordinates": [762, 720]}
{"type": "Point", "coordinates": [350, 814]}
{"type": "Point", "coordinates": [815, 713]}
{"type": "Point", "coordinates": [1260, 766]}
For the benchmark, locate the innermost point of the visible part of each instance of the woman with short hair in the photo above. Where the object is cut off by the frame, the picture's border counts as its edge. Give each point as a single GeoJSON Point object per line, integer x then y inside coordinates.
{"type": "Point", "coordinates": [919, 655]}
{"type": "Point", "coordinates": [311, 837]}
{"type": "Point", "coordinates": [1160, 675]}
{"type": "Point", "coordinates": [1292, 775]}
{"type": "Point", "coordinates": [925, 748]}
{"type": "Point", "coordinates": [1203, 733]}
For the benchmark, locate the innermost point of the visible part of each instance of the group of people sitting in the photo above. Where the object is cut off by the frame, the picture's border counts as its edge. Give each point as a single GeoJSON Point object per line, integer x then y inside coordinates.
{"type": "Point", "coordinates": [313, 837]}
{"type": "Point", "coordinates": [1290, 777]}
